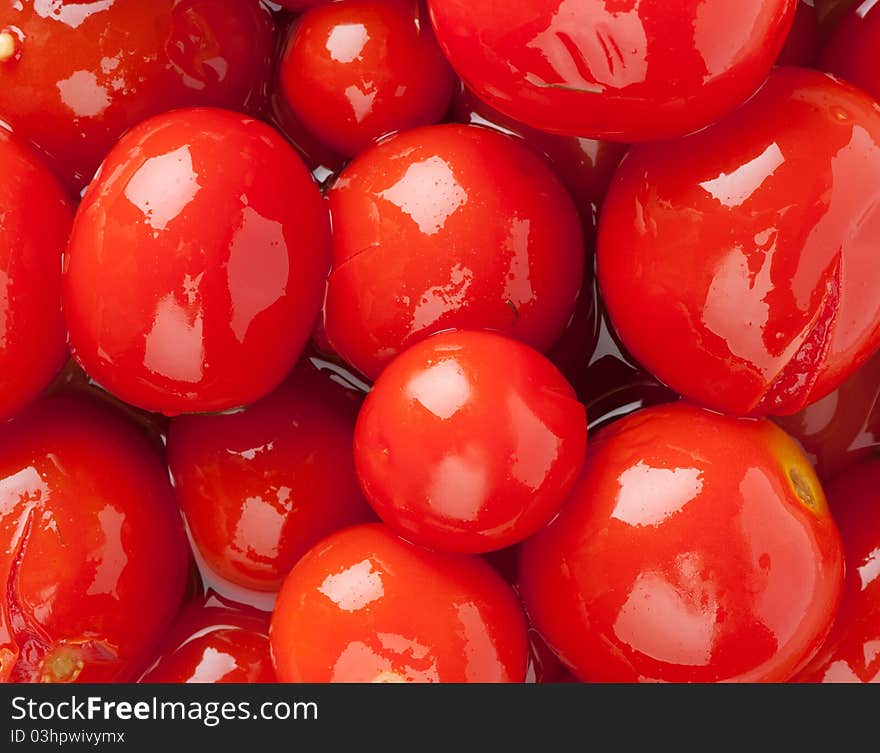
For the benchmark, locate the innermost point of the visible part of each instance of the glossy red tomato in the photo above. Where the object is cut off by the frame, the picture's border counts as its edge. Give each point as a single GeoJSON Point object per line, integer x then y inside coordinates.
{"type": "Point", "coordinates": [469, 442]}
{"type": "Point", "coordinates": [85, 72]}
{"type": "Point", "coordinates": [365, 606]}
{"type": "Point", "coordinates": [214, 641]}
{"type": "Point", "coordinates": [261, 486]}
{"type": "Point", "coordinates": [301, 5]}
{"type": "Point", "coordinates": [448, 227]}
{"type": "Point", "coordinates": [830, 12]}
{"type": "Point", "coordinates": [695, 547]}
{"type": "Point", "coordinates": [35, 217]}
{"type": "Point", "coordinates": [739, 264]}
{"type": "Point", "coordinates": [92, 553]}
{"type": "Point", "coordinates": [358, 70]}
{"type": "Point", "coordinates": [617, 69]}
{"type": "Point", "coordinates": [851, 652]}
{"type": "Point", "coordinates": [196, 264]}
{"type": "Point", "coordinates": [852, 49]}
{"type": "Point", "coordinates": [802, 45]}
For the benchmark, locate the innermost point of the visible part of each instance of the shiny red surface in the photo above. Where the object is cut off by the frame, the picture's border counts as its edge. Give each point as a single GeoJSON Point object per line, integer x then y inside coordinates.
{"type": "Point", "coordinates": [92, 551]}
{"type": "Point", "coordinates": [35, 218]}
{"type": "Point", "coordinates": [694, 547]}
{"type": "Point", "coordinates": [469, 442]}
{"type": "Point", "coordinates": [358, 70]}
{"type": "Point", "coordinates": [261, 486]}
{"type": "Point", "coordinates": [301, 5]}
{"type": "Point", "coordinates": [444, 227]}
{"type": "Point", "coordinates": [802, 45]}
{"type": "Point", "coordinates": [196, 265]}
{"type": "Point", "coordinates": [214, 641]}
{"type": "Point", "coordinates": [366, 606]}
{"type": "Point", "coordinates": [629, 70]}
{"type": "Point", "coordinates": [85, 72]}
{"type": "Point", "coordinates": [852, 651]}
{"type": "Point", "coordinates": [851, 51]}
{"type": "Point", "coordinates": [739, 264]}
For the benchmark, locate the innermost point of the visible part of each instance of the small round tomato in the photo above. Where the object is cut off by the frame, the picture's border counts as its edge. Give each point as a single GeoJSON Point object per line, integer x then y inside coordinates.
{"type": "Point", "coordinates": [358, 70]}
{"type": "Point", "coordinates": [365, 606]}
{"type": "Point", "coordinates": [196, 264]}
{"type": "Point", "coordinates": [84, 73]}
{"type": "Point", "coordinates": [802, 45]}
{"type": "Point", "coordinates": [214, 641]}
{"type": "Point", "coordinates": [35, 218]}
{"type": "Point", "coordinates": [629, 71]}
{"type": "Point", "coordinates": [469, 442]}
{"type": "Point", "coordinates": [449, 227]}
{"type": "Point", "coordinates": [694, 548]}
{"type": "Point", "coordinates": [261, 486]}
{"type": "Point", "coordinates": [94, 559]}
{"type": "Point", "coordinates": [739, 264]}
{"type": "Point", "coordinates": [850, 653]}
{"type": "Point", "coordinates": [851, 50]}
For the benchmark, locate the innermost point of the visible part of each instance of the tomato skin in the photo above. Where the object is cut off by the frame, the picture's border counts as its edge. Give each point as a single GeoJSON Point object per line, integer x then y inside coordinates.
{"type": "Point", "coordinates": [615, 70]}
{"type": "Point", "coordinates": [469, 442]}
{"type": "Point", "coordinates": [366, 606]}
{"type": "Point", "coordinates": [682, 554]}
{"type": "Point", "coordinates": [802, 45]}
{"type": "Point", "coordinates": [851, 50]}
{"type": "Point", "coordinates": [850, 654]}
{"type": "Point", "coordinates": [261, 486]}
{"type": "Point", "coordinates": [731, 302]}
{"type": "Point", "coordinates": [355, 71]}
{"type": "Point", "coordinates": [35, 219]}
{"type": "Point", "coordinates": [86, 73]}
{"type": "Point", "coordinates": [195, 314]}
{"type": "Point", "coordinates": [449, 227]}
{"type": "Point", "coordinates": [93, 547]}
{"type": "Point", "coordinates": [214, 641]}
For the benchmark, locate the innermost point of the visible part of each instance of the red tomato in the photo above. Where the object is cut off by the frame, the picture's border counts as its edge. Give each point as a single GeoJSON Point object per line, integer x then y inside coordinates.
{"type": "Point", "coordinates": [35, 217]}
{"type": "Point", "coordinates": [830, 12]}
{"type": "Point", "coordinates": [214, 641]}
{"type": "Point", "coordinates": [850, 654]}
{"type": "Point", "coordinates": [749, 281]}
{"type": "Point", "coordinates": [617, 69]}
{"type": "Point", "coordinates": [852, 49]}
{"type": "Point", "coordinates": [358, 70]}
{"type": "Point", "coordinates": [84, 73]}
{"type": "Point", "coordinates": [365, 606]}
{"type": "Point", "coordinates": [802, 45]}
{"type": "Point", "coordinates": [695, 547]}
{"type": "Point", "coordinates": [92, 551]}
{"type": "Point", "coordinates": [196, 264]}
{"type": "Point", "coordinates": [449, 227]}
{"type": "Point", "coordinates": [300, 5]}
{"type": "Point", "coordinates": [261, 486]}
{"type": "Point", "coordinates": [469, 442]}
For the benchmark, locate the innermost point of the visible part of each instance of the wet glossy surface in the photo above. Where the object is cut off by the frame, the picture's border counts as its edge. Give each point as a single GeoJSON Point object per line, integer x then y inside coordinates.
{"type": "Point", "coordinates": [35, 219]}
{"type": "Point", "coordinates": [357, 71]}
{"type": "Point", "coordinates": [739, 264]}
{"type": "Point", "coordinates": [196, 265]}
{"type": "Point", "coordinates": [449, 227]}
{"type": "Point", "coordinates": [623, 69]}
{"type": "Point", "coordinates": [261, 486]}
{"type": "Point", "coordinates": [694, 547]}
{"type": "Point", "coordinates": [469, 442]}
{"type": "Point", "coordinates": [365, 606]}
{"type": "Point", "coordinates": [851, 50]}
{"type": "Point", "coordinates": [852, 651]}
{"type": "Point", "coordinates": [92, 553]}
{"type": "Point", "coordinates": [802, 45]}
{"type": "Point", "coordinates": [844, 427]}
{"type": "Point", "coordinates": [85, 72]}
{"type": "Point", "coordinates": [214, 641]}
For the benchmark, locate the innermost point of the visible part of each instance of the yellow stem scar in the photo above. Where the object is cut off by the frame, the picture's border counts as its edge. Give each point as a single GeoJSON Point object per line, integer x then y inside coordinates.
{"type": "Point", "coordinates": [8, 45]}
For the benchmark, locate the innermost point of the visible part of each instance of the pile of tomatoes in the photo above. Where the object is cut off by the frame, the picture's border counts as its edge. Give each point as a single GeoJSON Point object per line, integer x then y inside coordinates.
{"type": "Point", "coordinates": [439, 340]}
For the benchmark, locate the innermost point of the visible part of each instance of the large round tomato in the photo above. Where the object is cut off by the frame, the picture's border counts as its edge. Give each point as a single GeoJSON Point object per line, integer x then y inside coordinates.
{"type": "Point", "coordinates": [694, 548]}
{"type": "Point", "coordinates": [469, 442]}
{"type": "Point", "coordinates": [94, 559]}
{"type": "Point", "coordinates": [196, 264]}
{"type": "Point", "coordinates": [365, 606]}
{"type": "Point", "coordinates": [739, 264]}
{"type": "Point", "coordinates": [618, 69]}
{"type": "Point", "coordinates": [82, 73]}
{"type": "Point", "coordinates": [449, 227]}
